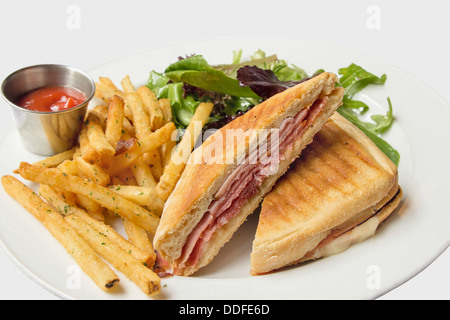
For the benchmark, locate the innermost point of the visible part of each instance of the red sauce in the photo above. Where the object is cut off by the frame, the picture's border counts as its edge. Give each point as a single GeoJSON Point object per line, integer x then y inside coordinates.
{"type": "Point", "coordinates": [51, 99]}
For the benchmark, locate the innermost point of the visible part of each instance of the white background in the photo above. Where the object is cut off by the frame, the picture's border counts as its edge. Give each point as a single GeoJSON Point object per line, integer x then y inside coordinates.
{"type": "Point", "coordinates": [412, 35]}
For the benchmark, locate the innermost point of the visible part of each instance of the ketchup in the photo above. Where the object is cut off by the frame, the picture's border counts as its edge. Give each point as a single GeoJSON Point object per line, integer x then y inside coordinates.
{"type": "Point", "coordinates": [51, 99]}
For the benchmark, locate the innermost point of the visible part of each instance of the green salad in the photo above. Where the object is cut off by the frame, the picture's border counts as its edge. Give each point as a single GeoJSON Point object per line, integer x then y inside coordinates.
{"type": "Point", "coordinates": [237, 87]}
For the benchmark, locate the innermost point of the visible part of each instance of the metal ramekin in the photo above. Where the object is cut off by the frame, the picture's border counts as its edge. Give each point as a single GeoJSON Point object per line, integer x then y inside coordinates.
{"type": "Point", "coordinates": [47, 133]}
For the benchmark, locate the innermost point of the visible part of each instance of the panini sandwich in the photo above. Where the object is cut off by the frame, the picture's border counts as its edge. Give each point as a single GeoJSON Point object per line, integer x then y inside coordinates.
{"type": "Point", "coordinates": [213, 198]}
{"type": "Point", "coordinates": [335, 195]}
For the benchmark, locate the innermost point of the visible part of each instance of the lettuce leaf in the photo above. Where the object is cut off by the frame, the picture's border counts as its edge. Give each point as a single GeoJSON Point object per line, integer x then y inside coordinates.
{"type": "Point", "coordinates": [157, 82]}
{"type": "Point", "coordinates": [354, 79]}
{"type": "Point", "coordinates": [385, 147]}
{"type": "Point", "coordinates": [183, 109]}
{"type": "Point", "coordinates": [198, 73]}
{"type": "Point", "coordinates": [219, 84]}
{"type": "Point", "coordinates": [258, 59]}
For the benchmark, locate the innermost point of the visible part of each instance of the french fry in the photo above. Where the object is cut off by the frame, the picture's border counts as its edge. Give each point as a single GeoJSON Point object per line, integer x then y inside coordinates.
{"type": "Point", "coordinates": [56, 160]}
{"type": "Point", "coordinates": [88, 153]}
{"type": "Point", "coordinates": [173, 170]}
{"type": "Point", "coordinates": [114, 122]}
{"type": "Point", "coordinates": [69, 197]}
{"type": "Point", "coordinates": [139, 237]}
{"type": "Point", "coordinates": [105, 197]}
{"type": "Point", "coordinates": [153, 141]}
{"type": "Point", "coordinates": [166, 153]}
{"type": "Point", "coordinates": [101, 111]}
{"type": "Point", "coordinates": [114, 181]}
{"type": "Point", "coordinates": [166, 109]}
{"type": "Point", "coordinates": [127, 177]}
{"type": "Point", "coordinates": [92, 207]}
{"type": "Point", "coordinates": [69, 167]}
{"type": "Point", "coordinates": [127, 85]}
{"type": "Point", "coordinates": [58, 202]}
{"type": "Point", "coordinates": [143, 196]}
{"type": "Point", "coordinates": [143, 174]}
{"type": "Point", "coordinates": [97, 136]}
{"type": "Point", "coordinates": [83, 254]}
{"type": "Point", "coordinates": [128, 127]}
{"type": "Point", "coordinates": [153, 160]}
{"type": "Point", "coordinates": [105, 89]}
{"type": "Point", "coordinates": [157, 138]}
{"type": "Point", "coordinates": [72, 167]}
{"type": "Point", "coordinates": [143, 277]}
{"type": "Point", "coordinates": [152, 106]}
{"type": "Point", "coordinates": [91, 171]}
{"type": "Point", "coordinates": [141, 120]}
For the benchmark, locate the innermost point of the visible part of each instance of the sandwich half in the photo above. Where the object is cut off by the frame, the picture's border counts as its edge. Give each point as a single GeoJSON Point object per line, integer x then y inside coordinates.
{"type": "Point", "coordinates": [226, 178]}
{"type": "Point", "coordinates": [335, 195]}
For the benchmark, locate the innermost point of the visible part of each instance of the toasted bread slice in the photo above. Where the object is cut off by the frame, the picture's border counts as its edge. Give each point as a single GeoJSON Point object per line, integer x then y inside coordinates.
{"type": "Point", "coordinates": [341, 181]}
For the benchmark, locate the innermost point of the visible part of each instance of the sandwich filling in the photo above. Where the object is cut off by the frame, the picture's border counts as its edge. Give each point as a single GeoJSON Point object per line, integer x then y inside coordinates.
{"type": "Point", "coordinates": [243, 183]}
{"type": "Point", "coordinates": [368, 217]}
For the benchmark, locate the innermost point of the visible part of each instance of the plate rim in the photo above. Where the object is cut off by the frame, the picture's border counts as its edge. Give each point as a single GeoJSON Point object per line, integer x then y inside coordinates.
{"type": "Point", "coordinates": [32, 275]}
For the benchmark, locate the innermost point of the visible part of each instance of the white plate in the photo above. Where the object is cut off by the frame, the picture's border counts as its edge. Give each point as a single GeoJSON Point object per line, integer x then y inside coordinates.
{"type": "Point", "coordinates": [407, 243]}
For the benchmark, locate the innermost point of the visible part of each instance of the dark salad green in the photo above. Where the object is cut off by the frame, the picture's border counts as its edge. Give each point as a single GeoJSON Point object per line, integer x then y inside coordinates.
{"type": "Point", "coordinates": [237, 87]}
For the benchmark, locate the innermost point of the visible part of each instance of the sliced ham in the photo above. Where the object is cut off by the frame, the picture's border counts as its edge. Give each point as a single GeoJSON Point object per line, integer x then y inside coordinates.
{"type": "Point", "coordinates": [243, 183]}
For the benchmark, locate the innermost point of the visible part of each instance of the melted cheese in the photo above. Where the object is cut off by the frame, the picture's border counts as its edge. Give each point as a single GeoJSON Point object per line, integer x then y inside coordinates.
{"type": "Point", "coordinates": [346, 240]}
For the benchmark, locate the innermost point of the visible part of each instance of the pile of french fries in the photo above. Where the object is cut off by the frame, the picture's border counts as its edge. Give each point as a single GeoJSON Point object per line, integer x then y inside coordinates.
{"type": "Point", "coordinates": [121, 170]}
